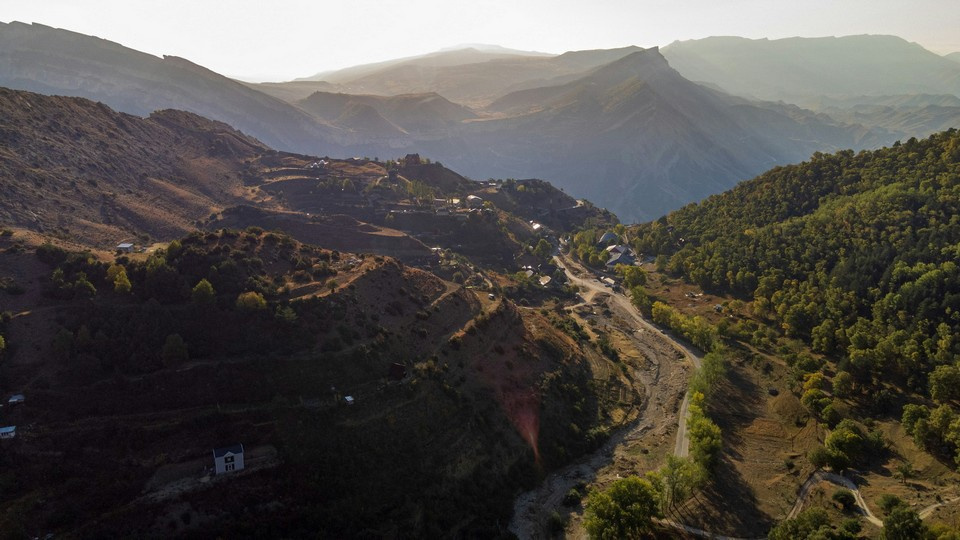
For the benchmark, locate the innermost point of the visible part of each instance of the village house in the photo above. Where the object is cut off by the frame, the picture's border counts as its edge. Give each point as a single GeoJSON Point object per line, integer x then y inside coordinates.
{"type": "Point", "coordinates": [125, 247]}
{"type": "Point", "coordinates": [607, 238]}
{"type": "Point", "coordinates": [625, 257]}
{"type": "Point", "coordinates": [8, 432]}
{"type": "Point", "coordinates": [16, 399]}
{"type": "Point", "coordinates": [228, 459]}
{"type": "Point", "coordinates": [474, 202]}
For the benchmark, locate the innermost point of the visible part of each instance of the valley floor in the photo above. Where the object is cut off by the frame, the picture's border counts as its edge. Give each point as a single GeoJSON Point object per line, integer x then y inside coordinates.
{"type": "Point", "coordinates": [639, 446]}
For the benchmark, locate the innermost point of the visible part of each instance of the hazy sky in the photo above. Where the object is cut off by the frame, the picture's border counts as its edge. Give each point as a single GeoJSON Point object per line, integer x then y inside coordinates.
{"type": "Point", "coordinates": [285, 39]}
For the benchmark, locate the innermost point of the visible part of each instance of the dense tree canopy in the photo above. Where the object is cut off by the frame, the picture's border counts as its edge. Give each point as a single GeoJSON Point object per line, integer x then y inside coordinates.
{"type": "Point", "coordinates": [854, 253]}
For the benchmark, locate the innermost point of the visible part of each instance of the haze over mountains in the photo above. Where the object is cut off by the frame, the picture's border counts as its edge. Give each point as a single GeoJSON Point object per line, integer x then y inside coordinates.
{"type": "Point", "coordinates": [625, 128]}
{"type": "Point", "coordinates": [53, 61]}
{"type": "Point", "coordinates": [391, 348]}
{"type": "Point", "coordinates": [798, 69]}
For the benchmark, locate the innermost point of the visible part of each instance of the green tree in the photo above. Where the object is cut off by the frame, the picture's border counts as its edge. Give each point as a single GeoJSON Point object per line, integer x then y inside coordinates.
{"type": "Point", "coordinates": [844, 497]}
{"type": "Point", "coordinates": [203, 292]}
{"type": "Point", "coordinates": [82, 286]}
{"type": "Point", "coordinates": [641, 300]}
{"type": "Point", "coordinates": [174, 249]}
{"type": "Point", "coordinates": [912, 414]}
{"type": "Point", "coordinates": [174, 351]}
{"type": "Point", "coordinates": [633, 276]}
{"type": "Point", "coordinates": [904, 472]}
{"type": "Point", "coordinates": [706, 440]}
{"type": "Point", "coordinates": [251, 301]}
{"type": "Point", "coordinates": [543, 249]}
{"type": "Point", "coordinates": [332, 285]}
{"type": "Point", "coordinates": [623, 510]}
{"type": "Point", "coordinates": [945, 383]}
{"type": "Point", "coordinates": [902, 523]}
{"type": "Point", "coordinates": [847, 440]}
{"type": "Point", "coordinates": [113, 270]}
{"type": "Point", "coordinates": [121, 283]}
{"type": "Point", "coordinates": [887, 502]}
{"type": "Point", "coordinates": [3, 345]}
{"type": "Point", "coordinates": [678, 477]}
{"type": "Point", "coordinates": [806, 525]}
{"type": "Point", "coordinates": [819, 457]}
{"type": "Point", "coordinates": [842, 384]}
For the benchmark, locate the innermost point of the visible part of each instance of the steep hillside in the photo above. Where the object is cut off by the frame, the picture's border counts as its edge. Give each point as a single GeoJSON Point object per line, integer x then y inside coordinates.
{"type": "Point", "coordinates": [53, 61]}
{"type": "Point", "coordinates": [252, 338]}
{"type": "Point", "coordinates": [76, 168]}
{"type": "Point", "coordinates": [81, 172]}
{"type": "Point", "coordinates": [799, 69]}
{"type": "Point", "coordinates": [854, 254]}
{"type": "Point", "coordinates": [638, 138]}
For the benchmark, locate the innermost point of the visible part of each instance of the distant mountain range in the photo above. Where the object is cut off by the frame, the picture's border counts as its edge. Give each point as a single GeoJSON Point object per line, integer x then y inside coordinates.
{"type": "Point", "coordinates": [637, 137]}
{"type": "Point", "coordinates": [621, 127]}
{"type": "Point", "coordinates": [799, 70]}
{"type": "Point", "coordinates": [467, 76]}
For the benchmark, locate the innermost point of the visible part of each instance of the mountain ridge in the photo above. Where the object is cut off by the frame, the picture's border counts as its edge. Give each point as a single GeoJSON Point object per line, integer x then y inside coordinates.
{"type": "Point", "coordinates": [797, 69]}
{"type": "Point", "coordinates": [44, 59]}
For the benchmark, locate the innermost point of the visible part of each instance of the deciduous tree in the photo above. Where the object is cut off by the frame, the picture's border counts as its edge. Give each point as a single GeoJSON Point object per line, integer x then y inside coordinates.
{"type": "Point", "coordinates": [624, 510]}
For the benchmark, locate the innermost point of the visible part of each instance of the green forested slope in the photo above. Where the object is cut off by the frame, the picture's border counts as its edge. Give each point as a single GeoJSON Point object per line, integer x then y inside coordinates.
{"type": "Point", "coordinates": [854, 253]}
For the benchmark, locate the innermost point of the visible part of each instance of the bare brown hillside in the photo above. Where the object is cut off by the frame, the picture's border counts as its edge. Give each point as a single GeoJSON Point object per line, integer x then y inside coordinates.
{"type": "Point", "coordinates": [487, 398]}
{"type": "Point", "coordinates": [74, 168]}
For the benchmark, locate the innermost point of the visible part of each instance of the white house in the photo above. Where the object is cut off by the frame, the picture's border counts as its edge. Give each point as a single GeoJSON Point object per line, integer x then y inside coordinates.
{"type": "Point", "coordinates": [16, 399]}
{"type": "Point", "coordinates": [474, 202]}
{"type": "Point", "coordinates": [8, 432]}
{"type": "Point", "coordinates": [125, 247]}
{"type": "Point", "coordinates": [228, 459]}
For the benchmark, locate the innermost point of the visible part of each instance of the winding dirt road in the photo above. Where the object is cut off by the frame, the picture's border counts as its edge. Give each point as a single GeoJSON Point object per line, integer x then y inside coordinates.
{"type": "Point", "coordinates": [592, 288]}
{"type": "Point", "coordinates": [665, 383]}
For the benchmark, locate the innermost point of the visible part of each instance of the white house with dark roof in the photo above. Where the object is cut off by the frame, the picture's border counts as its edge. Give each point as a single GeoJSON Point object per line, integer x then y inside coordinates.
{"type": "Point", "coordinates": [228, 459]}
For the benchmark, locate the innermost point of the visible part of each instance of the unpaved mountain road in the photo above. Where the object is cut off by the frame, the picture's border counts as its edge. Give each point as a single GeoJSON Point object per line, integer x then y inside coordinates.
{"type": "Point", "coordinates": [665, 382]}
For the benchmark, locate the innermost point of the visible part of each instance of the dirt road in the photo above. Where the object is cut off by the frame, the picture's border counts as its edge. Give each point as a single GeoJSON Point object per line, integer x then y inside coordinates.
{"type": "Point", "coordinates": [665, 383]}
{"type": "Point", "coordinates": [591, 287]}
